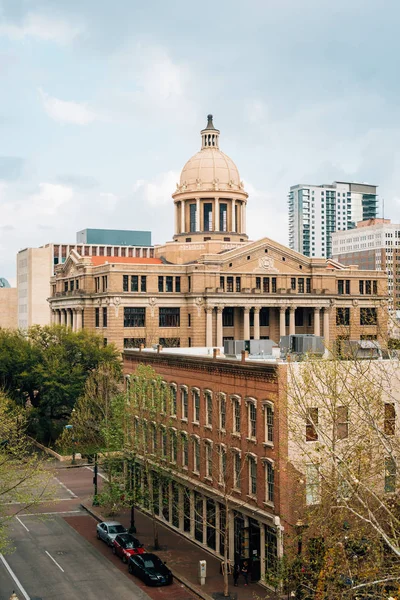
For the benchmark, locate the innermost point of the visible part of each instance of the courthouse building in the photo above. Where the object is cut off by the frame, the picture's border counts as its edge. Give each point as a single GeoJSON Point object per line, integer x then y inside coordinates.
{"type": "Point", "coordinates": [210, 283]}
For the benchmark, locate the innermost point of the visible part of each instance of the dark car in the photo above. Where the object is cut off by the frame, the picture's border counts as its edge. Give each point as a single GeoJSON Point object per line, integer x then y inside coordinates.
{"type": "Point", "coordinates": [125, 545]}
{"type": "Point", "coordinates": [150, 569]}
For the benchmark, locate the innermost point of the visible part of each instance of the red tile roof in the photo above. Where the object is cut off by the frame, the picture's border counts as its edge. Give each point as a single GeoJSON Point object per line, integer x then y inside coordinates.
{"type": "Point", "coordinates": [101, 260]}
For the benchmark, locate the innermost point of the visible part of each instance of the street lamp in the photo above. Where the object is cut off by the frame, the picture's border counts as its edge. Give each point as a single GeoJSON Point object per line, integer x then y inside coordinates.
{"type": "Point", "coordinates": [95, 471]}
{"type": "Point", "coordinates": [71, 428]}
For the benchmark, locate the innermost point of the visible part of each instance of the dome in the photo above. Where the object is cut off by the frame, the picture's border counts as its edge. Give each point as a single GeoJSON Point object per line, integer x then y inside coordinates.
{"type": "Point", "coordinates": [210, 169]}
{"type": "Point", "coordinates": [4, 283]}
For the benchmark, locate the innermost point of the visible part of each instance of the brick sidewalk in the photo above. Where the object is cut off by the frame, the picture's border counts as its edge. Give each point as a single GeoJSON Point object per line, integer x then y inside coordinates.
{"type": "Point", "coordinates": [183, 556]}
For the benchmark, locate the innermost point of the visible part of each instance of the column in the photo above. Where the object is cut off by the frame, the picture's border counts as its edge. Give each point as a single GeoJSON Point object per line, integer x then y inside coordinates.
{"type": "Point", "coordinates": [64, 317]}
{"type": "Point", "coordinates": [292, 322]}
{"type": "Point", "coordinates": [192, 513]}
{"type": "Point", "coordinates": [246, 323]}
{"type": "Point", "coordinates": [262, 550]}
{"type": "Point", "coordinates": [78, 319]}
{"type": "Point", "coordinates": [176, 218]}
{"type": "Point", "coordinates": [282, 322]}
{"type": "Point", "coordinates": [233, 216]}
{"type": "Point", "coordinates": [73, 319]}
{"type": "Point", "coordinates": [180, 508]}
{"type": "Point", "coordinates": [217, 527]}
{"type": "Point", "coordinates": [317, 327]}
{"type": "Point", "coordinates": [256, 323]}
{"type": "Point", "coordinates": [326, 326]}
{"type": "Point", "coordinates": [197, 214]}
{"type": "Point", "coordinates": [205, 520]}
{"type": "Point", "coordinates": [219, 326]}
{"type": "Point", "coordinates": [182, 216]}
{"type": "Point", "coordinates": [243, 218]}
{"type": "Point", "coordinates": [217, 226]}
{"type": "Point", "coordinates": [209, 312]}
{"type": "Point", "coordinates": [59, 316]}
{"type": "Point", "coordinates": [231, 534]}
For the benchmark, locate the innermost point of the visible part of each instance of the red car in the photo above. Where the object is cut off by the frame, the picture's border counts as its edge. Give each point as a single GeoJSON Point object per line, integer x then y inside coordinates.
{"type": "Point", "coordinates": [125, 545]}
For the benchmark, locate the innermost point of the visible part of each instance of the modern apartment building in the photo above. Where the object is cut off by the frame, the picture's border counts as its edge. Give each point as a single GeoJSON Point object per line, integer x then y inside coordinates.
{"type": "Point", "coordinates": [372, 245]}
{"type": "Point", "coordinates": [210, 283]}
{"type": "Point", "coordinates": [316, 211]}
{"type": "Point", "coordinates": [35, 267]}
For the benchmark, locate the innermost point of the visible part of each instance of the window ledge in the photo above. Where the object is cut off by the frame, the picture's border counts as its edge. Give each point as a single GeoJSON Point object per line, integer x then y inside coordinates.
{"type": "Point", "coordinates": [268, 444]}
{"type": "Point", "coordinates": [172, 416]}
{"type": "Point", "coordinates": [185, 467]}
{"type": "Point", "coordinates": [196, 473]}
{"type": "Point", "coordinates": [184, 420]}
{"type": "Point", "coordinates": [208, 427]}
{"type": "Point", "coordinates": [268, 504]}
{"type": "Point", "coordinates": [223, 431]}
{"type": "Point", "coordinates": [252, 497]}
{"type": "Point", "coordinates": [236, 490]}
{"type": "Point", "coordinates": [236, 434]}
{"type": "Point", "coordinates": [252, 440]}
{"type": "Point", "coordinates": [196, 423]}
{"type": "Point", "coordinates": [208, 479]}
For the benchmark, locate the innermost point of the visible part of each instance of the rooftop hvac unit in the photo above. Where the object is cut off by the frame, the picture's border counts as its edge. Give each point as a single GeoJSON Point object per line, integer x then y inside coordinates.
{"type": "Point", "coordinates": [234, 347]}
{"type": "Point", "coordinates": [301, 344]}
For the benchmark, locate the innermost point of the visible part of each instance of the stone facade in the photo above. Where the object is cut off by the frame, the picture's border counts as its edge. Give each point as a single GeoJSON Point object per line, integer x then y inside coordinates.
{"type": "Point", "coordinates": [8, 308]}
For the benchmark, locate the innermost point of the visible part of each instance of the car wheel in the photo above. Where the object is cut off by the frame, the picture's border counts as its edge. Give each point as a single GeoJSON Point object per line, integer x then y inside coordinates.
{"type": "Point", "coordinates": [130, 569]}
{"type": "Point", "coordinates": [114, 550]}
{"type": "Point", "coordinates": [124, 559]}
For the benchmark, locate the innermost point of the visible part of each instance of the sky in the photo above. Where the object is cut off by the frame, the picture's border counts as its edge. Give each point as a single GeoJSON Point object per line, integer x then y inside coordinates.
{"type": "Point", "coordinates": [101, 105]}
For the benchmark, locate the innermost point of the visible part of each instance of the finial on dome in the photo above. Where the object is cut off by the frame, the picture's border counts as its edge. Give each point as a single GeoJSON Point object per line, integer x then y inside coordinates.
{"type": "Point", "coordinates": [208, 139]}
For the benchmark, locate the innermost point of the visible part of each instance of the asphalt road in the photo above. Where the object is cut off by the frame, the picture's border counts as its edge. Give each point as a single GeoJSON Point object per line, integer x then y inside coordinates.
{"type": "Point", "coordinates": [52, 561]}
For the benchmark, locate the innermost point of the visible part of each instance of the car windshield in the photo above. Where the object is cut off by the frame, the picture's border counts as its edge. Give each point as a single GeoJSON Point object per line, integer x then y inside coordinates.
{"type": "Point", "coordinates": [129, 544]}
{"type": "Point", "coordinates": [116, 529]}
{"type": "Point", "coordinates": [149, 564]}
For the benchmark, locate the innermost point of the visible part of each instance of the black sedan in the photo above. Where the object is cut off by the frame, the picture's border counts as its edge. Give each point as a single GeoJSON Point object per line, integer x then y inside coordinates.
{"type": "Point", "coordinates": [150, 569]}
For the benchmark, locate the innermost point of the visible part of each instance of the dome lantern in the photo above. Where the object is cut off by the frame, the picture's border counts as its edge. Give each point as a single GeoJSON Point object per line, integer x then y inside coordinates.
{"type": "Point", "coordinates": [209, 135]}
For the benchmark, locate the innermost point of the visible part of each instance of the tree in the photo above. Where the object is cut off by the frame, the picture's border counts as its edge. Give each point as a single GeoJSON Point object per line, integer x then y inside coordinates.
{"type": "Point", "coordinates": [48, 366]}
{"type": "Point", "coordinates": [24, 479]}
{"type": "Point", "coordinates": [345, 446]}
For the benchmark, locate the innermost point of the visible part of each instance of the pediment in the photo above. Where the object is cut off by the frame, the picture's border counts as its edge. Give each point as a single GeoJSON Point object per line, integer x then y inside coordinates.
{"type": "Point", "coordinates": [70, 267]}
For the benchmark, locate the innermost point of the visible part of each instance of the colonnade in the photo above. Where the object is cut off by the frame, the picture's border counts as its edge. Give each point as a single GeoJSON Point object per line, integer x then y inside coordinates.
{"type": "Point", "coordinates": [69, 317]}
{"type": "Point", "coordinates": [256, 327]}
{"type": "Point", "coordinates": [233, 225]}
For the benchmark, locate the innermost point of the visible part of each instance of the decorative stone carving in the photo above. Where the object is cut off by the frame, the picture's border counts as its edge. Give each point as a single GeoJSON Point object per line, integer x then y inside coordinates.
{"type": "Point", "coordinates": [198, 184]}
{"type": "Point", "coordinates": [98, 301]}
{"type": "Point", "coordinates": [266, 262]}
{"type": "Point", "coordinates": [152, 304]}
{"type": "Point", "coordinates": [332, 302]}
{"type": "Point", "coordinates": [220, 308]}
{"type": "Point", "coordinates": [116, 302]}
{"type": "Point", "coordinates": [199, 304]}
{"type": "Point", "coordinates": [355, 302]}
{"type": "Point", "coordinates": [216, 184]}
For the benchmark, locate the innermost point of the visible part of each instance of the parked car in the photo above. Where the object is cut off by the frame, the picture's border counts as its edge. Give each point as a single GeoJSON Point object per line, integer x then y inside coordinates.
{"type": "Point", "coordinates": [150, 569]}
{"type": "Point", "coordinates": [108, 530]}
{"type": "Point", "coordinates": [125, 545]}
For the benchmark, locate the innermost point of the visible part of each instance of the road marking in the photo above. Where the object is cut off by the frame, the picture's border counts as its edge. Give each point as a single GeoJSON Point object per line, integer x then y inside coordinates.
{"type": "Point", "coordinates": [60, 512]}
{"type": "Point", "coordinates": [36, 502]}
{"type": "Point", "coordinates": [14, 577]}
{"type": "Point", "coordinates": [23, 524]}
{"type": "Point", "coordinates": [54, 561]}
{"type": "Point", "coordinates": [98, 474]}
{"type": "Point", "coordinates": [65, 488]}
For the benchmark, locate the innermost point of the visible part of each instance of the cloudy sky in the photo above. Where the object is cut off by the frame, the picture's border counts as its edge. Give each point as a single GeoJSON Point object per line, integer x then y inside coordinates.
{"type": "Point", "coordinates": [101, 104]}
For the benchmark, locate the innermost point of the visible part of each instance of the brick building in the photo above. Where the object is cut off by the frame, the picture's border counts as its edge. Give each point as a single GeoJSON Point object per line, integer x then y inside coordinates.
{"type": "Point", "coordinates": [232, 421]}
{"type": "Point", "coordinates": [210, 283]}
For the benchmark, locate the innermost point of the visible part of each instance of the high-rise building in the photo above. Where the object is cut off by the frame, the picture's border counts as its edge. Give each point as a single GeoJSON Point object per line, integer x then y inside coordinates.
{"type": "Point", "coordinates": [35, 266]}
{"type": "Point", "coordinates": [316, 211]}
{"type": "Point", "coordinates": [372, 245]}
{"type": "Point", "coordinates": [8, 305]}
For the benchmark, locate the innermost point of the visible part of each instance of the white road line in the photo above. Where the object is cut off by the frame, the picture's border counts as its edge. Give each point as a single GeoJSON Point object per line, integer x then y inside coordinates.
{"type": "Point", "coordinates": [23, 524]}
{"type": "Point", "coordinates": [54, 561]}
{"type": "Point", "coordinates": [14, 577]}
{"type": "Point", "coordinates": [98, 474]}
{"type": "Point", "coordinates": [65, 488]}
{"type": "Point", "coordinates": [62, 512]}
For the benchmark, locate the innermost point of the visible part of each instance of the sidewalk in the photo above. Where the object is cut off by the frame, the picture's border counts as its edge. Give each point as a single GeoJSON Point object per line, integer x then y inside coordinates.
{"type": "Point", "coordinates": [182, 557]}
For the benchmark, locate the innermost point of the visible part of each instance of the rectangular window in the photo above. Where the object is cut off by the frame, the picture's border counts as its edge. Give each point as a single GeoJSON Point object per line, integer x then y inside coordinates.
{"type": "Point", "coordinates": [343, 316]}
{"type": "Point", "coordinates": [163, 442]}
{"type": "Point", "coordinates": [347, 286]}
{"type": "Point", "coordinates": [375, 287]}
{"type": "Point", "coordinates": [342, 422]}
{"type": "Point", "coordinates": [390, 474]}
{"type": "Point", "coordinates": [252, 476]}
{"type": "Point", "coordinates": [174, 446]}
{"type": "Point", "coordinates": [229, 284]}
{"type": "Point", "coordinates": [196, 455]}
{"type": "Point", "coordinates": [300, 284]}
{"type": "Point", "coordinates": [223, 223]}
{"type": "Point", "coordinates": [207, 213]}
{"type": "Point", "coordinates": [134, 342]}
{"type": "Point", "coordinates": [189, 283]}
{"type": "Point", "coordinates": [238, 286]}
{"type": "Point", "coordinates": [104, 316]}
{"type": "Point", "coordinates": [134, 283]}
{"type": "Point", "coordinates": [361, 286]}
{"type": "Point", "coordinates": [389, 424]}
{"type": "Point", "coordinates": [311, 425]}
{"type": "Point", "coordinates": [258, 283]}
{"type": "Point", "coordinates": [222, 412]}
{"type": "Point", "coordinates": [196, 406]}
{"type": "Point", "coordinates": [252, 420]}
{"type": "Point", "coordinates": [143, 283]}
{"type": "Point", "coordinates": [228, 316]}
{"type": "Point", "coordinates": [308, 285]}
{"type": "Point", "coordinates": [185, 451]}
{"type": "Point", "coordinates": [270, 481]}
{"type": "Point", "coordinates": [134, 316]}
{"type": "Point", "coordinates": [169, 317]}
{"type": "Point", "coordinates": [192, 214]}
{"type": "Point", "coordinates": [209, 408]}
{"type": "Point", "coordinates": [274, 285]}
{"type": "Point", "coordinates": [66, 286]}
{"type": "Point", "coordinates": [368, 289]}
{"type": "Point", "coordinates": [293, 283]}
{"type": "Point", "coordinates": [173, 399]}
{"type": "Point", "coordinates": [266, 285]}
{"type": "Point", "coordinates": [125, 280]}
{"type": "Point", "coordinates": [269, 423]}
{"type": "Point", "coordinates": [97, 317]}
{"type": "Point", "coordinates": [177, 284]}
{"type": "Point", "coordinates": [71, 285]}
{"type": "Point", "coordinates": [154, 441]}
{"type": "Point", "coordinates": [340, 285]}
{"type": "Point", "coordinates": [312, 484]}
{"type": "Point", "coordinates": [169, 284]}
{"type": "Point", "coordinates": [222, 283]}
{"type": "Point", "coordinates": [237, 469]}
{"type": "Point", "coordinates": [189, 320]}
{"type": "Point", "coordinates": [236, 415]}
{"type": "Point", "coordinates": [169, 342]}
{"type": "Point", "coordinates": [185, 404]}
{"type": "Point", "coordinates": [368, 316]}
{"type": "Point", "coordinates": [222, 464]}
{"type": "Point", "coordinates": [209, 459]}
{"type": "Point", "coordinates": [160, 283]}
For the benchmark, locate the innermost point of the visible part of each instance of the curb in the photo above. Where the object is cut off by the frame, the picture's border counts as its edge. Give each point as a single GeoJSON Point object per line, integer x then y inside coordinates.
{"type": "Point", "coordinates": [188, 584]}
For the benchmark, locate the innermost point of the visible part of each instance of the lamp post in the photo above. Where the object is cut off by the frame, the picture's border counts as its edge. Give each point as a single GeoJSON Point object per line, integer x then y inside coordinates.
{"type": "Point", "coordinates": [71, 428]}
{"type": "Point", "coordinates": [95, 472]}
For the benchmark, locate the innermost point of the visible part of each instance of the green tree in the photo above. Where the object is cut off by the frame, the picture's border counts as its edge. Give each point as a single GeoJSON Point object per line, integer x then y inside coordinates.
{"type": "Point", "coordinates": [24, 479]}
